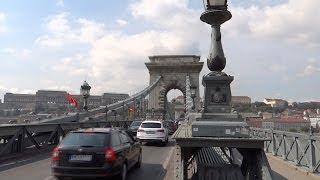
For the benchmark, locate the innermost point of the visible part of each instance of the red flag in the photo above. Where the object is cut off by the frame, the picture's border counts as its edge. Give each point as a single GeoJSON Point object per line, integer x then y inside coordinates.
{"type": "Point", "coordinates": [131, 109]}
{"type": "Point", "coordinates": [72, 100]}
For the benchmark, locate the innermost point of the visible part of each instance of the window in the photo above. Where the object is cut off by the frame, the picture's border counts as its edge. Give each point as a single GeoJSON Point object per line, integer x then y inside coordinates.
{"type": "Point", "coordinates": [115, 140]}
{"type": "Point", "coordinates": [85, 139]}
{"type": "Point", "coordinates": [151, 125]}
{"type": "Point", "coordinates": [124, 138]}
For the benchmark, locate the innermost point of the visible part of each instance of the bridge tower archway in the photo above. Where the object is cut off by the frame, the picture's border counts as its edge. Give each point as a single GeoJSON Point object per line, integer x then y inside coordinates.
{"type": "Point", "coordinates": [174, 70]}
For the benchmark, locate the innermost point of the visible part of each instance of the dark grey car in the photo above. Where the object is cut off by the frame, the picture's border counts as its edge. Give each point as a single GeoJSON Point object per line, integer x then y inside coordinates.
{"type": "Point", "coordinates": [96, 152]}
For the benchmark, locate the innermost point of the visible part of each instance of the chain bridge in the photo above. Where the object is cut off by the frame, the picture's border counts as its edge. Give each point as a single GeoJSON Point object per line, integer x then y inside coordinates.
{"type": "Point", "coordinates": [301, 150]}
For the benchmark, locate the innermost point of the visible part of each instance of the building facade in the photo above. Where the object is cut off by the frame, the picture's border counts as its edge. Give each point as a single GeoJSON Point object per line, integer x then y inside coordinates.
{"type": "Point", "coordinates": [19, 101]}
{"type": "Point", "coordinates": [48, 99]}
{"type": "Point", "coordinates": [286, 123]}
{"type": "Point", "coordinates": [110, 98]}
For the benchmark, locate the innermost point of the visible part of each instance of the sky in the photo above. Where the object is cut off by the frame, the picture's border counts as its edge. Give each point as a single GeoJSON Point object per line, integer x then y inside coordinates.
{"type": "Point", "coordinates": [272, 46]}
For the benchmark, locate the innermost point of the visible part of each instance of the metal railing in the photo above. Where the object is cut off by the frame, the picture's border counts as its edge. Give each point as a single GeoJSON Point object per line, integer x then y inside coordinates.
{"type": "Point", "coordinates": [17, 139]}
{"type": "Point", "coordinates": [300, 149]}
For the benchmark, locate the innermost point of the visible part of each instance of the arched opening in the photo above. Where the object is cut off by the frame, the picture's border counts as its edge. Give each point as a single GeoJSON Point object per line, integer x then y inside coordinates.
{"type": "Point", "coordinates": [174, 104]}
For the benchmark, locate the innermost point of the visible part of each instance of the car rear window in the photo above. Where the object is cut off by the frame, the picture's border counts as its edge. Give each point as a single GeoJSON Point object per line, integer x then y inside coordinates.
{"type": "Point", "coordinates": [136, 123]}
{"type": "Point", "coordinates": [86, 139]}
{"type": "Point", "coordinates": [151, 125]}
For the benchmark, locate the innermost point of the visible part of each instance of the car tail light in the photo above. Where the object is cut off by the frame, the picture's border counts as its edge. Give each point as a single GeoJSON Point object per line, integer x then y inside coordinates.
{"type": "Point", "coordinates": [110, 155]}
{"type": "Point", "coordinates": [55, 154]}
{"type": "Point", "coordinates": [161, 130]}
{"type": "Point", "coordinates": [140, 130]}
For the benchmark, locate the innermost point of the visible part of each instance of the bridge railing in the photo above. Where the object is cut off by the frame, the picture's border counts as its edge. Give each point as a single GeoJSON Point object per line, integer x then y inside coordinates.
{"type": "Point", "coordinates": [118, 106]}
{"type": "Point", "coordinates": [17, 139]}
{"type": "Point", "coordinates": [300, 149]}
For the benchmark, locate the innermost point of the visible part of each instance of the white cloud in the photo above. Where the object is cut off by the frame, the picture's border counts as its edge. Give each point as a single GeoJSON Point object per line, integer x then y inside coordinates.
{"type": "Point", "coordinates": [3, 27]}
{"type": "Point", "coordinates": [9, 50]}
{"type": "Point", "coordinates": [293, 21]}
{"type": "Point", "coordinates": [21, 53]}
{"type": "Point", "coordinates": [121, 22]}
{"type": "Point", "coordinates": [310, 69]}
{"type": "Point", "coordinates": [115, 60]}
{"type": "Point", "coordinates": [115, 57]}
{"type": "Point", "coordinates": [72, 66]}
{"type": "Point", "coordinates": [278, 68]}
{"type": "Point", "coordinates": [60, 3]}
{"type": "Point", "coordinates": [63, 32]}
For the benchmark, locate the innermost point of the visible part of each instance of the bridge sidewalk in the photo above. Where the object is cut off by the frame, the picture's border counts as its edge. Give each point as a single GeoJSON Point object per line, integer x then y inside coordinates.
{"type": "Point", "coordinates": [284, 170]}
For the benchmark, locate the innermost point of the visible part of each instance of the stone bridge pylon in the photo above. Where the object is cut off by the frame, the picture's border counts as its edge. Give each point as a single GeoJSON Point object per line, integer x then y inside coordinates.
{"type": "Point", "coordinates": [174, 70]}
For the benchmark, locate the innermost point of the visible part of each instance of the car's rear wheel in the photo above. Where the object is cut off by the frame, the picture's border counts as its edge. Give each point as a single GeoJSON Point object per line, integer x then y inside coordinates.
{"type": "Point", "coordinates": [138, 165]}
{"type": "Point", "coordinates": [124, 172]}
{"type": "Point", "coordinates": [60, 178]}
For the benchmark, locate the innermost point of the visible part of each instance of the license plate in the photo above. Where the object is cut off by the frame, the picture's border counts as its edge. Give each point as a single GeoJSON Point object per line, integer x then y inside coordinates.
{"type": "Point", "coordinates": [150, 132]}
{"type": "Point", "coordinates": [80, 158]}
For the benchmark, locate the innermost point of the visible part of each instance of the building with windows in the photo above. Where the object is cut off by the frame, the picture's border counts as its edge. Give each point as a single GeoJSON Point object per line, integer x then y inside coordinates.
{"type": "Point", "coordinates": [290, 123]}
{"type": "Point", "coordinates": [49, 99]}
{"type": "Point", "coordinates": [19, 101]}
{"type": "Point", "coordinates": [110, 98]}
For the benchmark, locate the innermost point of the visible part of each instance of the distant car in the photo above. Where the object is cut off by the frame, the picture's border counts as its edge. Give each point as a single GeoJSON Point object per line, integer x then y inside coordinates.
{"type": "Point", "coordinates": [180, 121]}
{"type": "Point", "coordinates": [96, 152]}
{"type": "Point", "coordinates": [153, 131]}
{"type": "Point", "coordinates": [171, 126]}
{"type": "Point", "coordinates": [133, 128]}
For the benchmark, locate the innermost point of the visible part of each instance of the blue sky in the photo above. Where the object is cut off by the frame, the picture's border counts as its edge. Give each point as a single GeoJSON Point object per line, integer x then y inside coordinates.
{"type": "Point", "coordinates": [272, 47]}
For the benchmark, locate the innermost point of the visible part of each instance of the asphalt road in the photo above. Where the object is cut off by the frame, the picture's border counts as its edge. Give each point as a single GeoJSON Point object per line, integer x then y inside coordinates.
{"type": "Point", "coordinates": [154, 158]}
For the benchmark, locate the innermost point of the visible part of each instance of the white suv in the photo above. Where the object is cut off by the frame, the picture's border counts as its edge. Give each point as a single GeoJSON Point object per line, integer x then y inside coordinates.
{"type": "Point", "coordinates": [152, 131]}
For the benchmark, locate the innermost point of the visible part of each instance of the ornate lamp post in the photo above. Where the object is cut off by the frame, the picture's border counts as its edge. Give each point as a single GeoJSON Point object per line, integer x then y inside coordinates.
{"type": "Point", "coordinates": [217, 119]}
{"type": "Point", "coordinates": [217, 83]}
{"type": "Point", "coordinates": [85, 92]}
{"type": "Point", "coordinates": [215, 14]}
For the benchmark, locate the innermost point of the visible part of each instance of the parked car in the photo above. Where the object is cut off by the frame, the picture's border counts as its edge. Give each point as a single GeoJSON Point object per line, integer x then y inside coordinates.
{"type": "Point", "coordinates": [152, 131]}
{"type": "Point", "coordinates": [96, 152]}
{"type": "Point", "coordinates": [133, 128]}
{"type": "Point", "coordinates": [171, 126]}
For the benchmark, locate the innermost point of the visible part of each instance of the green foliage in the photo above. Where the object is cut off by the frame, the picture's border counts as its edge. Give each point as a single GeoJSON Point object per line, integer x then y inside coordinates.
{"type": "Point", "coordinates": [293, 130]}
{"type": "Point", "coordinates": [305, 129]}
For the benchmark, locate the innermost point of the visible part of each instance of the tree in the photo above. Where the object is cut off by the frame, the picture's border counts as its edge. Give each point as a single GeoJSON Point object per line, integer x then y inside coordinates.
{"type": "Point", "coordinates": [293, 130]}
{"type": "Point", "coordinates": [304, 129]}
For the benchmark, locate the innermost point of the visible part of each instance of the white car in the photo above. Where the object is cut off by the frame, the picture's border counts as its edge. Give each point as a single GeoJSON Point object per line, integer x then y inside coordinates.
{"type": "Point", "coordinates": [152, 131]}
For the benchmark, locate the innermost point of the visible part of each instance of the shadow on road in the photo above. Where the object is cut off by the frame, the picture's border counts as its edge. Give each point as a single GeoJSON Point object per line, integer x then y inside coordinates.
{"type": "Point", "coordinates": [278, 176]}
{"type": "Point", "coordinates": [30, 158]}
{"type": "Point", "coordinates": [170, 143]}
{"type": "Point", "coordinates": [147, 172]}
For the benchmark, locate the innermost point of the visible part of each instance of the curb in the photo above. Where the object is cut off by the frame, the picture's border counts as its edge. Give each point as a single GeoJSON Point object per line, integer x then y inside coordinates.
{"type": "Point", "coordinates": [166, 162]}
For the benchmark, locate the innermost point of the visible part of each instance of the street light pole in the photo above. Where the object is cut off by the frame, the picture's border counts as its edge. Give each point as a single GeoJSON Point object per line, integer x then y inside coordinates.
{"type": "Point", "coordinates": [106, 113]}
{"type": "Point", "coordinates": [115, 114]}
